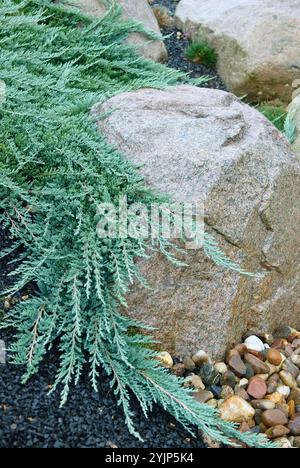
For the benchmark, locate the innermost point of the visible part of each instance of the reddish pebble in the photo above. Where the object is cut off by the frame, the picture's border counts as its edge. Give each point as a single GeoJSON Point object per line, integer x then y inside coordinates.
{"type": "Point", "coordinates": [257, 388]}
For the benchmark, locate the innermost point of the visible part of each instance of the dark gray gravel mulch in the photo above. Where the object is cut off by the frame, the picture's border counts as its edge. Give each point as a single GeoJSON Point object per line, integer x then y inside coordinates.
{"type": "Point", "coordinates": [30, 417]}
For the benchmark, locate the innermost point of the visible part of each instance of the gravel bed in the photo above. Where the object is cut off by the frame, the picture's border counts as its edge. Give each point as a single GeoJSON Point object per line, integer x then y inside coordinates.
{"type": "Point", "coordinates": [30, 417]}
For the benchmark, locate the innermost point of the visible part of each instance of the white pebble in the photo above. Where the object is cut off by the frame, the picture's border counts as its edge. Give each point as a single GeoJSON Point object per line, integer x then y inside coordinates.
{"type": "Point", "coordinates": [221, 367]}
{"type": "Point", "coordinates": [284, 390]}
{"type": "Point", "coordinates": [254, 343]}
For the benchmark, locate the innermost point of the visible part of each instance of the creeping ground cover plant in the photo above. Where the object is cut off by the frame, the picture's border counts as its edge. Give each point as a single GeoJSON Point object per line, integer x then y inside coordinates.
{"type": "Point", "coordinates": [55, 169]}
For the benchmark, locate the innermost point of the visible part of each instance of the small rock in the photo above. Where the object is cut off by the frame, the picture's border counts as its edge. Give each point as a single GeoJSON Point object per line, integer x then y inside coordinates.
{"type": "Point", "coordinates": [288, 379]}
{"type": "Point", "coordinates": [263, 405]}
{"type": "Point", "coordinates": [209, 375]}
{"type": "Point", "coordinates": [196, 382]}
{"type": "Point", "coordinates": [296, 343]}
{"type": "Point", "coordinates": [200, 358]}
{"type": "Point", "coordinates": [290, 367]}
{"type": "Point", "coordinates": [256, 430]}
{"type": "Point", "coordinates": [178, 369]}
{"type": "Point", "coordinates": [203, 396]}
{"type": "Point", "coordinates": [283, 443]}
{"type": "Point", "coordinates": [294, 426]}
{"type": "Point", "coordinates": [275, 417]}
{"type": "Point", "coordinates": [213, 403]}
{"type": "Point", "coordinates": [257, 388]}
{"type": "Point", "coordinates": [226, 392]}
{"type": "Point", "coordinates": [284, 408]}
{"type": "Point", "coordinates": [166, 359]}
{"type": "Point", "coordinates": [288, 351]}
{"type": "Point", "coordinates": [237, 365]}
{"type": "Point", "coordinates": [263, 376]}
{"type": "Point", "coordinates": [257, 365]}
{"type": "Point", "coordinates": [244, 427]}
{"type": "Point", "coordinates": [276, 397]}
{"type": "Point", "coordinates": [292, 409]}
{"type": "Point", "coordinates": [277, 431]}
{"type": "Point", "coordinates": [2, 352]}
{"type": "Point", "coordinates": [221, 367]}
{"type": "Point", "coordinates": [241, 392]}
{"type": "Point", "coordinates": [274, 357]}
{"type": "Point", "coordinates": [257, 417]}
{"type": "Point", "coordinates": [189, 364]}
{"type": "Point", "coordinates": [215, 390]}
{"type": "Point", "coordinates": [284, 390]}
{"type": "Point", "coordinates": [241, 349]}
{"type": "Point", "coordinates": [295, 358]}
{"type": "Point", "coordinates": [296, 442]}
{"type": "Point", "coordinates": [249, 371]}
{"type": "Point", "coordinates": [228, 379]}
{"type": "Point", "coordinates": [279, 344]}
{"type": "Point", "coordinates": [295, 395]}
{"type": "Point", "coordinates": [236, 410]}
{"type": "Point", "coordinates": [272, 369]}
{"type": "Point", "coordinates": [254, 343]}
{"type": "Point", "coordinates": [243, 383]}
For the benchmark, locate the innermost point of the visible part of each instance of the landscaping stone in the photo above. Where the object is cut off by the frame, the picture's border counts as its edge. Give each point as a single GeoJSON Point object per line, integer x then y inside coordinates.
{"type": "Point", "coordinates": [209, 375]}
{"type": "Point", "coordinates": [274, 357]}
{"type": "Point", "coordinates": [277, 431]}
{"type": "Point", "coordinates": [200, 358]}
{"type": "Point", "coordinates": [131, 9]}
{"type": "Point", "coordinates": [288, 379]}
{"type": "Point", "coordinates": [257, 388]}
{"type": "Point", "coordinates": [258, 366]}
{"type": "Point", "coordinates": [263, 405]}
{"type": "Point", "coordinates": [237, 366]}
{"type": "Point", "coordinates": [203, 396]}
{"type": "Point", "coordinates": [229, 379]}
{"type": "Point", "coordinates": [237, 410]}
{"type": "Point", "coordinates": [166, 359]}
{"type": "Point", "coordinates": [189, 363]}
{"type": "Point", "coordinates": [294, 426]}
{"type": "Point", "coordinates": [257, 43]}
{"type": "Point", "coordinates": [274, 417]}
{"type": "Point", "coordinates": [254, 343]}
{"type": "Point", "coordinates": [218, 155]}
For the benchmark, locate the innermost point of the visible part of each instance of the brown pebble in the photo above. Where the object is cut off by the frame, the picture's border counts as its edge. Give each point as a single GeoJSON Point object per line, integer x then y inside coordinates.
{"type": "Point", "coordinates": [237, 365]}
{"type": "Point", "coordinates": [241, 349]}
{"type": "Point", "coordinates": [292, 408]}
{"type": "Point", "coordinates": [277, 431]}
{"type": "Point", "coordinates": [274, 357]}
{"type": "Point", "coordinates": [271, 418]}
{"type": "Point", "coordinates": [258, 366]}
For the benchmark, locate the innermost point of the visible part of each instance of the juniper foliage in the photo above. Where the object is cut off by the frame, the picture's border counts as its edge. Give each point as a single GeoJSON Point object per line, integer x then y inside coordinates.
{"type": "Point", "coordinates": [55, 170]}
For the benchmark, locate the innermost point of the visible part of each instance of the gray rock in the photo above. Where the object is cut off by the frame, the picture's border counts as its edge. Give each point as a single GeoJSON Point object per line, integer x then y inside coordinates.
{"type": "Point", "coordinates": [196, 144]}
{"type": "Point", "coordinates": [257, 42]}
{"type": "Point", "coordinates": [132, 9]}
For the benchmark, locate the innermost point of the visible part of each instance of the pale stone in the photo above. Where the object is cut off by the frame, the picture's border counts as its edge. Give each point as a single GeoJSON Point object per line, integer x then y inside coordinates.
{"type": "Point", "coordinates": [257, 42]}
{"type": "Point", "coordinates": [166, 359]}
{"type": "Point", "coordinates": [196, 144]}
{"type": "Point", "coordinates": [237, 410]}
{"type": "Point", "coordinates": [2, 352]}
{"type": "Point", "coordinates": [253, 342]}
{"type": "Point", "coordinates": [221, 367]}
{"type": "Point", "coordinates": [136, 10]}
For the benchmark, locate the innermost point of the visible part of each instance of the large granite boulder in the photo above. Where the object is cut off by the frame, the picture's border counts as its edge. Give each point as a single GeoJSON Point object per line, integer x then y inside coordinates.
{"type": "Point", "coordinates": [195, 143]}
{"type": "Point", "coordinates": [132, 9]}
{"type": "Point", "coordinates": [257, 42]}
